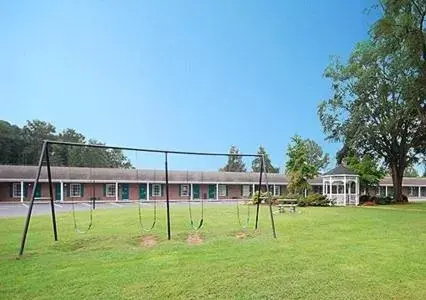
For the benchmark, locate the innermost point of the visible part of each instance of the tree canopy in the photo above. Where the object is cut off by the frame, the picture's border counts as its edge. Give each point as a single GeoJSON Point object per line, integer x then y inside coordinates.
{"type": "Point", "coordinates": [255, 165]}
{"type": "Point", "coordinates": [235, 163]}
{"type": "Point", "coordinates": [411, 171]}
{"type": "Point", "coordinates": [298, 167]}
{"type": "Point", "coordinates": [376, 107]}
{"type": "Point", "coordinates": [369, 170]}
{"type": "Point", "coordinates": [23, 146]}
{"type": "Point", "coordinates": [316, 156]}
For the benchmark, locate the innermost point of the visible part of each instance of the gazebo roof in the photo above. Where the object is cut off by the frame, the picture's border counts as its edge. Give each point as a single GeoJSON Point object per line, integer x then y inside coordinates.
{"type": "Point", "coordinates": [340, 170]}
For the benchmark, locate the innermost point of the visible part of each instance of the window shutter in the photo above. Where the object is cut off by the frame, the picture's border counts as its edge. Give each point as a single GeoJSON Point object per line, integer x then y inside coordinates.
{"type": "Point", "coordinates": [150, 189]}
{"type": "Point", "coordinates": [68, 190]}
{"type": "Point", "coordinates": [82, 190]}
{"type": "Point", "coordinates": [226, 190]}
{"type": "Point", "coordinates": [11, 190]}
{"type": "Point", "coordinates": [242, 190]}
{"type": "Point", "coordinates": [163, 187]}
{"type": "Point", "coordinates": [25, 189]}
{"type": "Point", "coordinates": [180, 190]}
{"type": "Point", "coordinates": [104, 189]}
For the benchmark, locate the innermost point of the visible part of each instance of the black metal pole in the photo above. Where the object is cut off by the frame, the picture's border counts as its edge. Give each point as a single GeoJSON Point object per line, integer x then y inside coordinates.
{"type": "Point", "coordinates": [167, 198]}
{"type": "Point", "coordinates": [260, 191]}
{"type": "Point", "coordinates": [52, 204]}
{"type": "Point", "coordinates": [270, 200]}
{"type": "Point", "coordinates": [93, 196]}
{"type": "Point", "coordinates": [30, 208]}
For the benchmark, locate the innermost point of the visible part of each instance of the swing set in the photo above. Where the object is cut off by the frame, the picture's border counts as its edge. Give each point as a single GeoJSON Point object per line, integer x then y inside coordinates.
{"type": "Point", "coordinates": [195, 224]}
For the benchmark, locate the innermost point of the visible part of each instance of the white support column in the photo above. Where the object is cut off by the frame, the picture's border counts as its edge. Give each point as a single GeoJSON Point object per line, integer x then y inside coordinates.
{"type": "Point", "coordinates": [22, 191]}
{"type": "Point", "coordinates": [344, 189]}
{"type": "Point", "coordinates": [306, 193]}
{"type": "Point", "coordinates": [147, 191]}
{"type": "Point", "coordinates": [217, 191]}
{"type": "Point", "coordinates": [323, 187]}
{"type": "Point", "coordinates": [116, 191]}
{"type": "Point", "coordinates": [386, 191]}
{"type": "Point", "coordinates": [253, 189]}
{"type": "Point", "coordinates": [191, 192]}
{"type": "Point", "coordinates": [62, 191]}
{"type": "Point", "coordinates": [357, 190]}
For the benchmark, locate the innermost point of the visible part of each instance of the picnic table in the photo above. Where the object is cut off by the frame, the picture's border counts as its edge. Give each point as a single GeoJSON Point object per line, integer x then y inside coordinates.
{"type": "Point", "coordinates": [289, 204]}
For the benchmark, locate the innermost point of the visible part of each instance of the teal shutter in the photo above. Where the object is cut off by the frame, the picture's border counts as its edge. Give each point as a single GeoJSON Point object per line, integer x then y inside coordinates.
{"type": "Point", "coordinates": [196, 194]}
{"type": "Point", "coordinates": [81, 189]}
{"type": "Point", "coordinates": [163, 187]}
{"type": "Point", "coordinates": [226, 190]}
{"type": "Point", "coordinates": [57, 191]}
{"type": "Point", "coordinates": [104, 190]}
{"type": "Point", "coordinates": [38, 190]}
{"type": "Point", "coordinates": [150, 190]}
{"type": "Point", "coordinates": [11, 190]}
{"type": "Point", "coordinates": [25, 189]}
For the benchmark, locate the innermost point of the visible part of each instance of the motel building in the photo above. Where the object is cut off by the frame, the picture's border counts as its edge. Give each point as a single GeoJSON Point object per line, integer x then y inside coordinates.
{"type": "Point", "coordinates": [108, 184]}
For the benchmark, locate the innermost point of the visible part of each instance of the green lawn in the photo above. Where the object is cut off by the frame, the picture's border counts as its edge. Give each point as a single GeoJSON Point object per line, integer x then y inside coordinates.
{"type": "Point", "coordinates": [320, 253]}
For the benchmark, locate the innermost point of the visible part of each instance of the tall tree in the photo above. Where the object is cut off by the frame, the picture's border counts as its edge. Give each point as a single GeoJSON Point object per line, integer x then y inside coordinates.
{"type": "Point", "coordinates": [34, 133]}
{"type": "Point", "coordinates": [255, 165]}
{"type": "Point", "coordinates": [403, 26]}
{"type": "Point", "coordinates": [297, 166]}
{"type": "Point", "coordinates": [316, 156]}
{"type": "Point", "coordinates": [369, 170]}
{"type": "Point", "coordinates": [372, 109]}
{"type": "Point", "coordinates": [235, 163]}
{"type": "Point", "coordinates": [11, 143]}
{"type": "Point", "coordinates": [62, 152]}
{"type": "Point", "coordinates": [411, 171]}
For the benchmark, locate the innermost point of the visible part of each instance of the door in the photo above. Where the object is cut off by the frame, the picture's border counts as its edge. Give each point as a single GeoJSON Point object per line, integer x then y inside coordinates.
{"type": "Point", "coordinates": [212, 191]}
{"type": "Point", "coordinates": [37, 191]}
{"type": "Point", "coordinates": [125, 191]}
{"type": "Point", "coordinates": [142, 192]}
{"type": "Point", "coordinates": [196, 191]}
{"type": "Point", "coordinates": [57, 191]}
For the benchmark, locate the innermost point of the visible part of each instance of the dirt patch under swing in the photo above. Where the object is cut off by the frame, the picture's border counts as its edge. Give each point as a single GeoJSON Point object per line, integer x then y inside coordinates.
{"type": "Point", "coordinates": [194, 239]}
{"type": "Point", "coordinates": [148, 241]}
{"type": "Point", "coordinates": [240, 235]}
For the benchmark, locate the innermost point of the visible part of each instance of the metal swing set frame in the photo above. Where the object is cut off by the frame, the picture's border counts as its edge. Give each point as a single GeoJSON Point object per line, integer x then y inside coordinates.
{"type": "Point", "coordinates": [44, 158]}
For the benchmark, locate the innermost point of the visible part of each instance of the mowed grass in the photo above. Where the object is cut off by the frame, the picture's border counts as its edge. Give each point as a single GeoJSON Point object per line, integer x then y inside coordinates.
{"type": "Point", "coordinates": [320, 253]}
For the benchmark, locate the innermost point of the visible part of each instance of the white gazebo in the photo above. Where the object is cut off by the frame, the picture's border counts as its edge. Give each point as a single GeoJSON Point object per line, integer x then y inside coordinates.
{"type": "Point", "coordinates": [341, 185]}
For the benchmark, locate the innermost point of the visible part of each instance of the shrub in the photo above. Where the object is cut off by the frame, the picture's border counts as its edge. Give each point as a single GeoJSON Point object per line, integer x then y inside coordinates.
{"type": "Point", "coordinates": [314, 200]}
{"type": "Point", "coordinates": [264, 196]}
{"type": "Point", "coordinates": [384, 200]}
{"type": "Point", "coordinates": [363, 199]}
{"type": "Point", "coordinates": [291, 196]}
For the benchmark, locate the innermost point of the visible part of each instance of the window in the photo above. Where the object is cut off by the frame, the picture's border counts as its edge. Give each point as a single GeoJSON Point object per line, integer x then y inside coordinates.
{"type": "Point", "coordinates": [246, 191]}
{"type": "Point", "coordinates": [184, 190]}
{"type": "Point", "coordinates": [110, 190]}
{"type": "Point", "coordinates": [413, 191]}
{"type": "Point", "coordinates": [16, 190]}
{"type": "Point", "coordinates": [75, 190]}
{"type": "Point", "coordinates": [156, 190]}
{"type": "Point", "coordinates": [222, 190]}
{"type": "Point", "coordinates": [277, 190]}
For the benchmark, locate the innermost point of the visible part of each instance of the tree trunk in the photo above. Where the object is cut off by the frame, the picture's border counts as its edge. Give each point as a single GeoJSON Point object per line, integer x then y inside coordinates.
{"type": "Point", "coordinates": [397, 176]}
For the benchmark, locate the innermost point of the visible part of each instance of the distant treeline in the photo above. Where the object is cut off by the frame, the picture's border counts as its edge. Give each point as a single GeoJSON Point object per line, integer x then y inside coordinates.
{"type": "Point", "coordinates": [22, 146]}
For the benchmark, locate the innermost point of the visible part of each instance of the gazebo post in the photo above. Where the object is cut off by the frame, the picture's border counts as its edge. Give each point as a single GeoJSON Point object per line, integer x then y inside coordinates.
{"type": "Point", "coordinates": [344, 189]}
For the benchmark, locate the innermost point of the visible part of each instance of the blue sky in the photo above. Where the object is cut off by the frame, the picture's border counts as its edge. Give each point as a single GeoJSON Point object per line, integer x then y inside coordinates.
{"type": "Point", "coordinates": [186, 75]}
